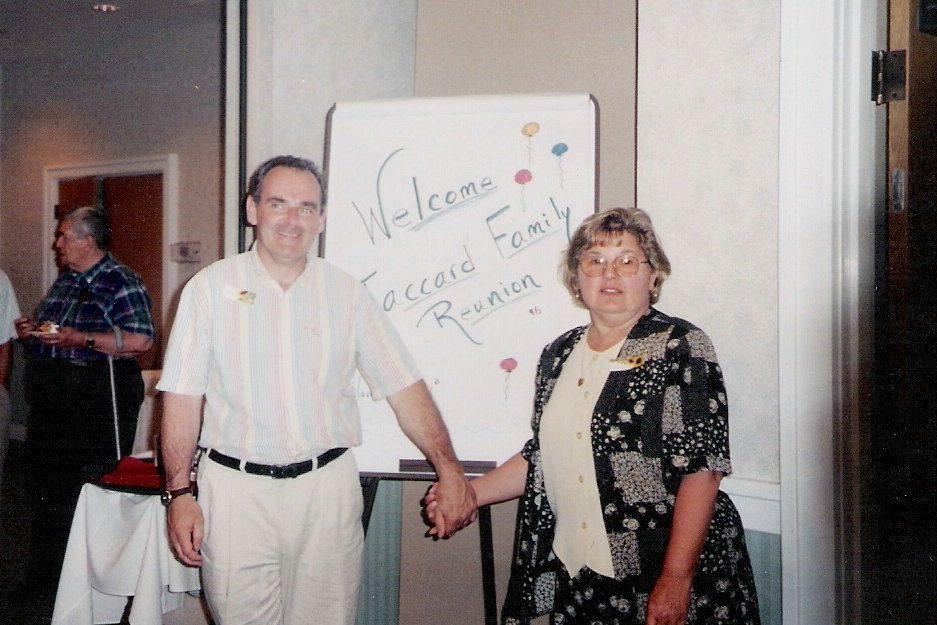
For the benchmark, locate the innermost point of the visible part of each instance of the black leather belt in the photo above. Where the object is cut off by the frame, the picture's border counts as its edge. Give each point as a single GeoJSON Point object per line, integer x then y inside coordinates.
{"type": "Point", "coordinates": [277, 471]}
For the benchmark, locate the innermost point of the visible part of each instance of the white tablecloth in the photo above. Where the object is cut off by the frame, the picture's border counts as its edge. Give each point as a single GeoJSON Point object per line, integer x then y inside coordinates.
{"type": "Point", "coordinates": [118, 548]}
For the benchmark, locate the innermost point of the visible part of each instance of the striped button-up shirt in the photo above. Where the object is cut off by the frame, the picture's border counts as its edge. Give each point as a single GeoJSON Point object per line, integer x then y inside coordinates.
{"type": "Point", "coordinates": [106, 295]}
{"type": "Point", "coordinates": [277, 366]}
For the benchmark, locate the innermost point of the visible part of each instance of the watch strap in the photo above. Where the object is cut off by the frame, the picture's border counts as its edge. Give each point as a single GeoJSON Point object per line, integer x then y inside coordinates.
{"type": "Point", "coordinates": [169, 495]}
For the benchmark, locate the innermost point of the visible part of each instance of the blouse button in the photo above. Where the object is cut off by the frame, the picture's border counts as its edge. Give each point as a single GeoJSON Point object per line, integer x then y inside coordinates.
{"type": "Point", "coordinates": [581, 480]}
{"type": "Point", "coordinates": [583, 525]}
{"type": "Point", "coordinates": [579, 435]}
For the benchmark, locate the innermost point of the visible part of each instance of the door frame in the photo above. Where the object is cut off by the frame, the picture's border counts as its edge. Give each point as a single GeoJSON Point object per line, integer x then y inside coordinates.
{"type": "Point", "coordinates": [828, 193]}
{"type": "Point", "coordinates": [165, 164]}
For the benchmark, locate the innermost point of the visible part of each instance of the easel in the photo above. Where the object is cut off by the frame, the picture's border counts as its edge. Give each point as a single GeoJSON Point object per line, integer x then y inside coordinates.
{"type": "Point", "coordinates": [420, 470]}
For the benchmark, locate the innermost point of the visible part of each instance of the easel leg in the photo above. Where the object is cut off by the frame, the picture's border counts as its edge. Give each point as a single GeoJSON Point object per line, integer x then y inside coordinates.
{"type": "Point", "coordinates": [488, 565]}
{"type": "Point", "coordinates": [369, 494]}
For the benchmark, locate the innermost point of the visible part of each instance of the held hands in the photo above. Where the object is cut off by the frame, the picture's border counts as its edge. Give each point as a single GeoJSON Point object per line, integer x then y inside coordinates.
{"type": "Point", "coordinates": [184, 517]}
{"type": "Point", "coordinates": [449, 506]}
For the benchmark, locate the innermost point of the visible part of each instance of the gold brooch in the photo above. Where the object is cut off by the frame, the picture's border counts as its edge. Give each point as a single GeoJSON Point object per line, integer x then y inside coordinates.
{"type": "Point", "coordinates": [624, 363]}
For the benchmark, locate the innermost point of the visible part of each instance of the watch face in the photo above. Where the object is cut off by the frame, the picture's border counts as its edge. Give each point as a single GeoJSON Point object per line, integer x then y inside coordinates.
{"type": "Point", "coordinates": [165, 497]}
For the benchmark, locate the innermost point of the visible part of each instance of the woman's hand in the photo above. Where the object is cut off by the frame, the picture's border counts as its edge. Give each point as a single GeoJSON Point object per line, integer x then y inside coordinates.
{"type": "Point", "coordinates": [669, 601]}
{"type": "Point", "coordinates": [430, 503]}
{"type": "Point", "coordinates": [692, 513]}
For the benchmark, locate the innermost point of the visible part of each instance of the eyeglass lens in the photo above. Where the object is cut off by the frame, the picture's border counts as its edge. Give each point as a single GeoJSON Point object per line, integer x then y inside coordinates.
{"type": "Point", "coordinates": [622, 266]}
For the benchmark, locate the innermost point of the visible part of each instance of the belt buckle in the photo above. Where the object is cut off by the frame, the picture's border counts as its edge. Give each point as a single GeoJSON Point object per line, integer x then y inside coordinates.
{"type": "Point", "coordinates": [285, 471]}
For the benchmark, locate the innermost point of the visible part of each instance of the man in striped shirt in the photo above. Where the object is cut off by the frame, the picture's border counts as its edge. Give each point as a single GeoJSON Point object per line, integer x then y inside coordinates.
{"type": "Point", "coordinates": [268, 341]}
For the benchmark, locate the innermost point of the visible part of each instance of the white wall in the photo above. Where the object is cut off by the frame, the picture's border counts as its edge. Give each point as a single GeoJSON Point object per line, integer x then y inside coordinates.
{"type": "Point", "coordinates": [305, 55]}
{"type": "Point", "coordinates": [495, 47]}
{"type": "Point", "coordinates": [707, 174]}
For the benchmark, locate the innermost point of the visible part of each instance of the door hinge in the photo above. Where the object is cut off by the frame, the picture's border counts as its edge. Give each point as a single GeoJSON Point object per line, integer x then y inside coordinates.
{"type": "Point", "coordinates": [888, 75]}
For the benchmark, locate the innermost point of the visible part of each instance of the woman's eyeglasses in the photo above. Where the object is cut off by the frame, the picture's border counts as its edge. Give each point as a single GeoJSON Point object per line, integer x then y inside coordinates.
{"type": "Point", "coordinates": [624, 266]}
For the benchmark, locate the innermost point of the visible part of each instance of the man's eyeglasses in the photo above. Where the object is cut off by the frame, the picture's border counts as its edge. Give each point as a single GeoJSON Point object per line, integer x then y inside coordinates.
{"type": "Point", "coordinates": [624, 266]}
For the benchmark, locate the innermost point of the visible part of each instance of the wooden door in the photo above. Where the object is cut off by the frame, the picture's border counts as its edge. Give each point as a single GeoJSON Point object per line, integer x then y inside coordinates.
{"type": "Point", "coordinates": [912, 212]}
{"type": "Point", "coordinates": [900, 573]}
{"type": "Point", "coordinates": [135, 208]}
{"type": "Point", "coordinates": [75, 193]}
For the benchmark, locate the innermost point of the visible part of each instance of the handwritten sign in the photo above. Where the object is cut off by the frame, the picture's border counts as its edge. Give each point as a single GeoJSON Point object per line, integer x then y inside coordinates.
{"type": "Point", "coordinates": [454, 213]}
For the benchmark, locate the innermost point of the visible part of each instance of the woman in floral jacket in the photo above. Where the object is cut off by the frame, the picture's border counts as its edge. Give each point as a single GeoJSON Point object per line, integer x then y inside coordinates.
{"type": "Point", "coordinates": [621, 520]}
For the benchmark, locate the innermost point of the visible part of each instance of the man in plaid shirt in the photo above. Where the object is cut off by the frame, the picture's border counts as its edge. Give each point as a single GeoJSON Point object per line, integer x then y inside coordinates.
{"type": "Point", "coordinates": [101, 314]}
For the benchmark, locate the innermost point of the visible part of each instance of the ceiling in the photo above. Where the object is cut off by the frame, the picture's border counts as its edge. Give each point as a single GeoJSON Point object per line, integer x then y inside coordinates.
{"type": "Point", "coordinates": [34, 28]}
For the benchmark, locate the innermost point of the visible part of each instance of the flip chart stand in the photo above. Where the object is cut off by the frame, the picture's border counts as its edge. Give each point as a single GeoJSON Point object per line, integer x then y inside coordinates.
{"type": "Point", "coordinates": [369, 486]}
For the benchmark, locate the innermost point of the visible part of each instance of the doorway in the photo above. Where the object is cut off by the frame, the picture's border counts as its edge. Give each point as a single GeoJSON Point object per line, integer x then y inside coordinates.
{"type": "Point", "coordinates": [141, 199]}
{"type": "Point", "coordinates": [134, 207]}
{"type": "Point", "coordinates": [903, 546]}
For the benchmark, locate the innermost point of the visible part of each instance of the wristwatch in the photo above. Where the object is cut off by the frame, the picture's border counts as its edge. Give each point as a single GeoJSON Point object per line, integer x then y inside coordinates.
{"type": "Point", "coordinates": [89, 341]}
{"type": "Point", "coordinates": [169, 495]}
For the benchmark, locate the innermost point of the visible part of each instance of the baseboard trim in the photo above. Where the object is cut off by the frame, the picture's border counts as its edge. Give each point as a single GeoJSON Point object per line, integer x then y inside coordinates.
{"type": "Point", "coordinates": [759, 503]}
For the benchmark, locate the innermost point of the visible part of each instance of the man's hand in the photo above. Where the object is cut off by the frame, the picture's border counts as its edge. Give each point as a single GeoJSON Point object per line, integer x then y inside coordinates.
{"type": "Point", "coordinates": [64, 337]}
{"type": "Point", "coordinates": [24, 325]}
{"type": "Point", "coordinates": [421, 422]}
{"type": "Point", "coordinates": [450, 506]}
{"type": "Point", "coordinates": [185, 529]}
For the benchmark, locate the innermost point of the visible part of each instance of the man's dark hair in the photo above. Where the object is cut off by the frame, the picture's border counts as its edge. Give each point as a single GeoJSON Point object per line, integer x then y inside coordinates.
{"type": "Point", "coordinates": [255, 184]}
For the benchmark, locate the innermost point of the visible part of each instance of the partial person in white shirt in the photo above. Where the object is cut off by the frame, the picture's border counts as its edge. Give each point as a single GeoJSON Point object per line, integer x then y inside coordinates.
{"type": "Point", "coordinates": [9, 310]}
{"type": "Point", "coordinates": [268, 341]}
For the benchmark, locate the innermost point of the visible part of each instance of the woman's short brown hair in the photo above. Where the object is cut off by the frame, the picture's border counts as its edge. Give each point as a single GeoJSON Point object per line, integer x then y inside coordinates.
{"type": "Point", "coordinates": [601, 228]}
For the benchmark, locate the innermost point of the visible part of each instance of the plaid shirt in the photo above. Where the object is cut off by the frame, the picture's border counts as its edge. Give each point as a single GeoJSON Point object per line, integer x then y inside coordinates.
{"type": "Point", "coordinates": [107, 295]}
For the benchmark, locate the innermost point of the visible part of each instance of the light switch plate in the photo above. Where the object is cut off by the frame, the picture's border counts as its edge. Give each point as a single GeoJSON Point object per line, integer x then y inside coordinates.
{"type": "Point", "coordinates": [186, 252]}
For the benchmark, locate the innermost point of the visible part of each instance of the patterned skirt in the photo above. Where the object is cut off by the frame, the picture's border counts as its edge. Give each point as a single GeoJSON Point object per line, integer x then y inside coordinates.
{"type": "Point", "coordinates": [723, 591]}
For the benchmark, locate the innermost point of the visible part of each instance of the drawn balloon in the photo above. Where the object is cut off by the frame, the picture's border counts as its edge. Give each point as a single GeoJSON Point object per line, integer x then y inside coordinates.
{"type": "Point", "coordinates": [559, 150]}
{"type": "Point", "coordinates": [508, 365]}
{"type": "Point", "coordinates": [522, 177]}
{"type": "Point", "coordinates": [529, 130]}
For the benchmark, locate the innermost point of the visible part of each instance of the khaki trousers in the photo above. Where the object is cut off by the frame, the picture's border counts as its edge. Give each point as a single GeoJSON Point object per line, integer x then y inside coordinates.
{"type": "Point", "coordinates": [282, 551]}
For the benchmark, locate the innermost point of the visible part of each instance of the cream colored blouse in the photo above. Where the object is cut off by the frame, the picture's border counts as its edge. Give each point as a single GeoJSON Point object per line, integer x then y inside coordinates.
{"type": "Point", "coordinates": [568, 467]}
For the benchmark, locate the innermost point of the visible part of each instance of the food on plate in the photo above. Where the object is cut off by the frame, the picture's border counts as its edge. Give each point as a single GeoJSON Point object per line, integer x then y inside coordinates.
{"type": "Point", "coordinates": [47, 327]}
